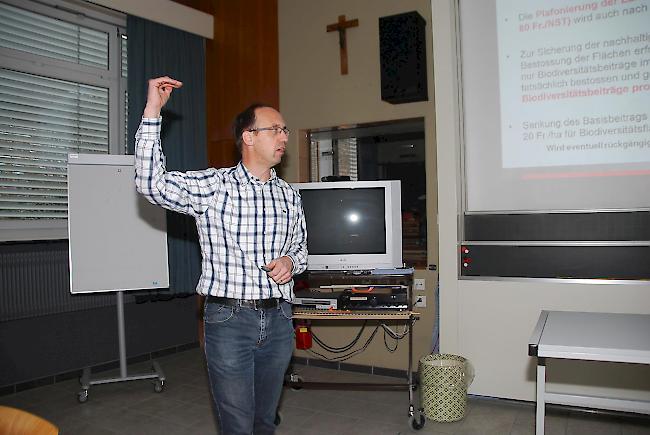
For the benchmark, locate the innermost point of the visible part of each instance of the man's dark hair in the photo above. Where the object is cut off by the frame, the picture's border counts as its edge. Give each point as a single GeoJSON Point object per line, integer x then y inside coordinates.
{"type": "Point", "coordinates": [244, 121]}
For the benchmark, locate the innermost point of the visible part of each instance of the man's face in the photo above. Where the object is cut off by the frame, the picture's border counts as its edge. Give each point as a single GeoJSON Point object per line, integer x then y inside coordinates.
{"type": "Point", "coordinates": [268, 146]}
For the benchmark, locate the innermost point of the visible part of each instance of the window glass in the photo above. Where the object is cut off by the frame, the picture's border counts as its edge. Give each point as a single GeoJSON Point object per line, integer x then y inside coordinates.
{"type": "Point", "coordinates": [62, 90]}
{"type": "Point", "coordinates": [38, 34]}
{"type": "Point", "coordinates": [41, 121]}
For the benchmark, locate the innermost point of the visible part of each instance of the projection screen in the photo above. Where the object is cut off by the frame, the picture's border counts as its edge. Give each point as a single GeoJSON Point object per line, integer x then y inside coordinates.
{"type": "Point", "coordinates": [556, 101]}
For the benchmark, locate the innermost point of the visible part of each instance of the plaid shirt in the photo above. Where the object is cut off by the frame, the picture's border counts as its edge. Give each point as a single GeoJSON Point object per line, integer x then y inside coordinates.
{"type": "Point", "coordinates": [242, 222]}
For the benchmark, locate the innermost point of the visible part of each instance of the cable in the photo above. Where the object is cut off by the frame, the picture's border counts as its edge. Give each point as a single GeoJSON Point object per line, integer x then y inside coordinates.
{"type": "Point", "coordinates": [395, 335]}
{"type": "Point", "coordinates": [398, 335]}
{"type": "Point", "coordinates": [334, 349]}
{"type": "Point", "coordinates": [435, 345]}
{"type": "Point", "coordinates": [350, 354]}
{"type": "Point", "coordinates": [388, 348]}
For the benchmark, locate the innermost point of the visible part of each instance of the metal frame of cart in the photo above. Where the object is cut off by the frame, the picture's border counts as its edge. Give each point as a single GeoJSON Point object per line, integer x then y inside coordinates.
{"type": "Point", "coordinates": [416, 418]}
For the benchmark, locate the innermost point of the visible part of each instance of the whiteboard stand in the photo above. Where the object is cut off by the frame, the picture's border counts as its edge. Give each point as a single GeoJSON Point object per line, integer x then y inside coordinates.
{"type": "Point", "coordinates": [117, 242]}
{"type": "Point", "coordinates": [156, 372]}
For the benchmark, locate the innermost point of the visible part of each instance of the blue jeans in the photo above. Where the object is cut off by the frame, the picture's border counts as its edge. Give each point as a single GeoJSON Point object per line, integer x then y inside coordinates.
{"type": "Point", "coordinates": [247, 353]}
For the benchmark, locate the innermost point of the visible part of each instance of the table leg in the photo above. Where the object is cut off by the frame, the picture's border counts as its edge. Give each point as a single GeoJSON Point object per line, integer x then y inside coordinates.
{"type": "Point", "coordinates": [541, 402]}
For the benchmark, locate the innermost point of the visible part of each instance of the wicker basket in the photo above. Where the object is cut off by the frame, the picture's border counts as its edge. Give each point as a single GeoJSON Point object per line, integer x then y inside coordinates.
{"type": "Point", "coordinates": [444, 380]}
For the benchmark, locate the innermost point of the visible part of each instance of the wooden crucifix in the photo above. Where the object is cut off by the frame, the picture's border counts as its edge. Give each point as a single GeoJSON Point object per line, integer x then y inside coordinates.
{"type": "Point", "coordinates": [341, 26]}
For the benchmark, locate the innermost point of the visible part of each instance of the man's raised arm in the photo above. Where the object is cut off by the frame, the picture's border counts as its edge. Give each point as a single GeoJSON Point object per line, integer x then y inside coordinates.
{"type": "Point", "coordinates": [184, 192]}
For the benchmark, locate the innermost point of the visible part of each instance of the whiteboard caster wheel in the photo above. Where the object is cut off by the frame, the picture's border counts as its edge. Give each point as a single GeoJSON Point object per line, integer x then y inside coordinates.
{"type": "Point", "coordinates": [82, 396]}
{"type": "Point", "coordinates": [159, 386]}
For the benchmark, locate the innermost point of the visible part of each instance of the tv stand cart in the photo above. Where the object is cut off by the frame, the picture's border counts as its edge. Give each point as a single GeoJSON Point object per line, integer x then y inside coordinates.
{"type": "Point", "coordinates": [393, 277]}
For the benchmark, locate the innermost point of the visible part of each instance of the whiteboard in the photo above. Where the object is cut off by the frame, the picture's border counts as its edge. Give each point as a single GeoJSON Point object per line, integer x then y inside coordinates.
{"type": "Point", "coordinates": [117, 239]}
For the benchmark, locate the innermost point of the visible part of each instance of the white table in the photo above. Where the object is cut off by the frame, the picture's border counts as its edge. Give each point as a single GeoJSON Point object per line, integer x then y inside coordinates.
{"type": "Point", "coordinates": [588, 336]}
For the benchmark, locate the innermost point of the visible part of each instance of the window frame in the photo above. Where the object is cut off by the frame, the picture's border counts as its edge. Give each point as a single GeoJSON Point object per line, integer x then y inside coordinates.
{"type": "Point", "coordinates": [97, 18]}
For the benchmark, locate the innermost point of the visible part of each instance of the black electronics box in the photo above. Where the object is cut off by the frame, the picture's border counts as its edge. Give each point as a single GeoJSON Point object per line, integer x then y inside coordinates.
{"type": "Point", "coordinates": [396, 298]}
{"type": "Point", "coordinates": [402, 56]}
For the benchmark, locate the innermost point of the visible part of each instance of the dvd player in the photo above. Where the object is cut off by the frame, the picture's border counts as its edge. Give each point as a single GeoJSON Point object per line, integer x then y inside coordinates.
{"type": "Point", "coordinates": [317, 299]}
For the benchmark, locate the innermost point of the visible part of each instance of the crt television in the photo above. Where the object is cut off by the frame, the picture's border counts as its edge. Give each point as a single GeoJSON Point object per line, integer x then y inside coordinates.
{"type": "Point", "coordinates": [353, 225]}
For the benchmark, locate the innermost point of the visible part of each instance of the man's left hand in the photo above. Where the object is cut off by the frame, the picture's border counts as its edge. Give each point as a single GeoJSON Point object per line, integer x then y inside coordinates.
{"type": "Point", "coordinates": [280, 270]}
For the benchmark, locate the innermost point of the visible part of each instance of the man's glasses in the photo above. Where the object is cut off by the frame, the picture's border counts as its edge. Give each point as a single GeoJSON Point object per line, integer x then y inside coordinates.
{"type": "Point", "coordinates": [276, 129]}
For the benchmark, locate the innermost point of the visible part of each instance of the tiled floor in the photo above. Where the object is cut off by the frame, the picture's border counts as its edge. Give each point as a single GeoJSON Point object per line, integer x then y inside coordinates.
{"type": "Point", "coordinates": [184, 408]}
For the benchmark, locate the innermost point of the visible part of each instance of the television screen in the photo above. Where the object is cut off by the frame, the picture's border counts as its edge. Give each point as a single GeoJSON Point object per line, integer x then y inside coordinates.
{"type": "Point", "coordinates": [353, 225]}
{"type": "Point", "coordinates": [345, 221]}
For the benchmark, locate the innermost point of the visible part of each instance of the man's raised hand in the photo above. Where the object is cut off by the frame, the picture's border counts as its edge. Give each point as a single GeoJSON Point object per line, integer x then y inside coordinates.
{"type": "Point", "coordinates": [158, 93]}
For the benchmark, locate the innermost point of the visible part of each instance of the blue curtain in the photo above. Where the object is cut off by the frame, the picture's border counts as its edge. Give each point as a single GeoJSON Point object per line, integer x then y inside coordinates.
{"type": "Point", "coordinates": [156, 50]}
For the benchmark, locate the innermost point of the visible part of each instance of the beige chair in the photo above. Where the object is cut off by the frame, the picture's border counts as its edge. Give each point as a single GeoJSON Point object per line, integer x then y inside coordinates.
{"type": "Point", "coordinates": [17, 422]}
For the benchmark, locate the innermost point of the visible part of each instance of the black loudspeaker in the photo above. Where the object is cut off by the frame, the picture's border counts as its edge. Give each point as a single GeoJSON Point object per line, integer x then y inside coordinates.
{"type": "Point", "coordinates": [402, 52]}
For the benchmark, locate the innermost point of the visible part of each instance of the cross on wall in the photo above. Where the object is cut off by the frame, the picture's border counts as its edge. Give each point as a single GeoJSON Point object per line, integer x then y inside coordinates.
{"type": "Point", "coordinates": [341, 26]}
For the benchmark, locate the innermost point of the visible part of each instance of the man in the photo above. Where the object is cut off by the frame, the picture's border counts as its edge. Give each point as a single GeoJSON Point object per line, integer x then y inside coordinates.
{"type": "Point", "coordinates": [253, 239]}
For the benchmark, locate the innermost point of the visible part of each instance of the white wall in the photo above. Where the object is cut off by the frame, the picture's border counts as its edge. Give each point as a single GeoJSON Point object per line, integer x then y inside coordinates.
{"type": "Point", "coordinates": [314, 94]}
{"type": "Point", "coordinates": [490, 322]}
